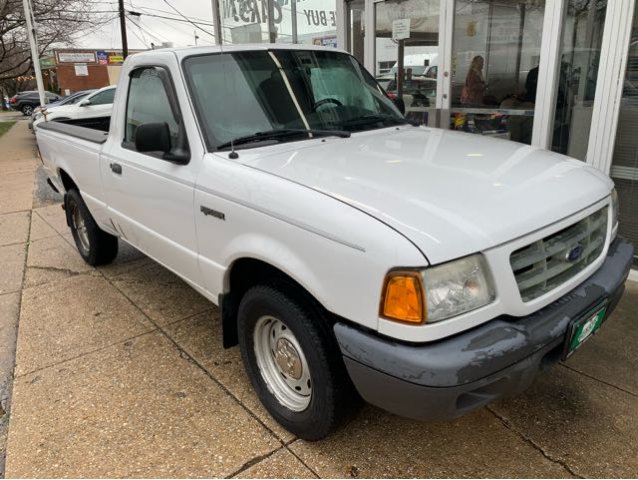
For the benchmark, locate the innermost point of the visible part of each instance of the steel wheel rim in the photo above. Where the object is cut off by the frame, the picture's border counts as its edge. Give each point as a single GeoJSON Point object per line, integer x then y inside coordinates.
{"type": "Point", "coordinates": [79, 226]}
{"type": "Point", "coordinates": [282, 363]}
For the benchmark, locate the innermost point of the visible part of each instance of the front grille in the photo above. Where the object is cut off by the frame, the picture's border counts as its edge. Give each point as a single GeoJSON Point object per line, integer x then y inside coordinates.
{"type": "Point", "coordinates": [551, 261]}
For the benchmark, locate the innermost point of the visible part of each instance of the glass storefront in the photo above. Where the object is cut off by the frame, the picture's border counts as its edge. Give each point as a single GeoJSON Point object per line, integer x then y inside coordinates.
{"type": "Point", "coordinates": [624, 168]}
{"type": "Point", "coordinates": [579, 58]}
{"type": "Point", "coordinates": [355, 32]}
{"type": "Point", "coordinates": [411, 54]}
{"type": "Point", "coordinates": [279, 21]}
{"type": "Point", "coordinates": [495, 58]}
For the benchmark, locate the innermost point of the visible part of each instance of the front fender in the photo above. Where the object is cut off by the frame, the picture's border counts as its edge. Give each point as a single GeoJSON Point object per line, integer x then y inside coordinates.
{"type": "Point", "coordinates": [339, 254]}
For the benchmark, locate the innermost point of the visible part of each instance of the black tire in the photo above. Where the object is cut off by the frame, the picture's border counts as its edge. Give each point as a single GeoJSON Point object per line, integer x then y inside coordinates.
{"type": "Point", "coordinates": [333, 397]}
{"type": "Point", "coordinates": [95, 245]}
{"type": "Point", "coordinates": [27, 109]}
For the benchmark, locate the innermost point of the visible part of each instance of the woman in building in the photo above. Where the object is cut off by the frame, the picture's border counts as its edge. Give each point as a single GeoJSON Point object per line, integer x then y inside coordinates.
{"type": "Point", "coordinates": [474, 88]}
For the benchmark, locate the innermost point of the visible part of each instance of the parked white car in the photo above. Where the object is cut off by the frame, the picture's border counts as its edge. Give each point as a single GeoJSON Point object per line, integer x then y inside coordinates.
{"type": "Point", "coordinates": [351, 253]}
{"type": "Point", "coordinates": [96, 105]}
{"type": "Point", "coordinates": [70, 100]}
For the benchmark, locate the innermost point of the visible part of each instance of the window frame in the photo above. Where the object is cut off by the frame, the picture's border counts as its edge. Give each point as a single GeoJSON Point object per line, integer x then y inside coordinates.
{"type": "Point", "coordinates": [169, 87]}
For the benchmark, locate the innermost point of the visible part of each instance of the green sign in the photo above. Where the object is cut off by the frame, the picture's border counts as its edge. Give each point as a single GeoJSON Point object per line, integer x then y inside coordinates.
{"type": "Point", "coordinates": [47, 62]}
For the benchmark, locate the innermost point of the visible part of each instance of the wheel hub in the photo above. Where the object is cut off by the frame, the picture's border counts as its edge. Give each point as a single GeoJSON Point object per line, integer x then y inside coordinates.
{"type": "Point", "coordinates": [282, 363]}
{"type": "Point", "coordinates": [288, 359]}
{"type": "Point", "coordinates": [79, 225]}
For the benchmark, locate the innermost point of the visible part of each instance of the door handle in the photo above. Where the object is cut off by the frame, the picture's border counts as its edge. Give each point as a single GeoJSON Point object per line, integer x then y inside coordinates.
{"type": "Point", "coordinates": [116, 168]}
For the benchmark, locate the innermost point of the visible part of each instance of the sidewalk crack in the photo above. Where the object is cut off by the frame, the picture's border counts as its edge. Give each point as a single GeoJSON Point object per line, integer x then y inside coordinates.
{"type": "Point", "coordinates": [253, 461]}
{"type": "Point", "coordinates": [66, 271]}
{"type": "Point", "coordinates": [507, 424]}
{"type": "Point", "coordinates": [585, 374]}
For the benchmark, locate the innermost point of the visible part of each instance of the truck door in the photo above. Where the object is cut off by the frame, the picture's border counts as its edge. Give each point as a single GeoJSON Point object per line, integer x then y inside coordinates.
{"type": "Point", "coordinates": [150, 194]}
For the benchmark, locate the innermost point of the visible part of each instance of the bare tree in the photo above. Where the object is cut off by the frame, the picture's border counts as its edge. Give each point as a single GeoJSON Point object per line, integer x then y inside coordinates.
{"type": "Point", "coordinates": [56, 22]}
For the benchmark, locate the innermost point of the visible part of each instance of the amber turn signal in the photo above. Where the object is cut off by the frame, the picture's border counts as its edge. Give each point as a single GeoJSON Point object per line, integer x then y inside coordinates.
{"type": "Point", "coordinates": [403, 297]}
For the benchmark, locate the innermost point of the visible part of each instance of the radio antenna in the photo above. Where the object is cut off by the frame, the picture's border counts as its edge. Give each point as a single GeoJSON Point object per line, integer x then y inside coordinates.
{"type": "Point", "coordinates": [233, 154]}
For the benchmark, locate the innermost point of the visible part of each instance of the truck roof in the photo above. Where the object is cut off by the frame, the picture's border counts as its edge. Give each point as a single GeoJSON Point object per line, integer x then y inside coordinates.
{"type": "Point", "coordinates": [182, 52]}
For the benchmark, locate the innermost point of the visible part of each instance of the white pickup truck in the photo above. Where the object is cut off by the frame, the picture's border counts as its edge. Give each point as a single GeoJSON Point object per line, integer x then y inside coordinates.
{"type": "Point", "coordinates": [352, 254]}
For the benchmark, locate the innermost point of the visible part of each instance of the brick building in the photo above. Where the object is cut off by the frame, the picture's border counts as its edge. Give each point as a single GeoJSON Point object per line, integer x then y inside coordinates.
{"type": "Point", "coordinates": [70, 70]}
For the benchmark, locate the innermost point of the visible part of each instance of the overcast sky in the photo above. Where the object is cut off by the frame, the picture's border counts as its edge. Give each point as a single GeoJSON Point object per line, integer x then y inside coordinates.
{"type": "Point", "coordinates": [151, 29]}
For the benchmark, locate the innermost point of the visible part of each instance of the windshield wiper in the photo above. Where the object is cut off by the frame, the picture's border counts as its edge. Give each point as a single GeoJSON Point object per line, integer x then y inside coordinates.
{"type": "Point", "coordinates": [282, 133]}
{"type": "Point", "coordinates": [373, 119]}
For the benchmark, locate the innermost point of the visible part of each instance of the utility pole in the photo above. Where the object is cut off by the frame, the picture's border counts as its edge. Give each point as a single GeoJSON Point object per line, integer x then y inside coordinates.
{"type": "Point", "coordinates": [272, 30]}
{"type": "Point", "coordinates": [35, 55]}
{"type": "Point", "coordinates": [293, 18]}
{"type": "Point", "coordinates": [123, 30]}
{"type": "Point", "coordinates": [217, 22]}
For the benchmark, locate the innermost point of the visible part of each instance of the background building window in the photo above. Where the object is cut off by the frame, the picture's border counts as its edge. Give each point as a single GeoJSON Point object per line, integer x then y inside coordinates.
{"type": "Point", "coordinates": [581, 41]}
{"type": "Point", "coordinates": [495, 58]}
{"type": "Point", "coordinates": [624, 168]}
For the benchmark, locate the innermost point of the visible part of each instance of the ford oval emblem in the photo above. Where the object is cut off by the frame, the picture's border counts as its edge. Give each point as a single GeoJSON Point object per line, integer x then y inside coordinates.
{"type": "Point", "coordinates": [574, 253]}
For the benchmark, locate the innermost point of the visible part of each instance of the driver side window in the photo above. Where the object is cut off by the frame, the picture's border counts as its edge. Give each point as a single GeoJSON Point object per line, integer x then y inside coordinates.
{"type": "Point", "coordinates": [149, 102]}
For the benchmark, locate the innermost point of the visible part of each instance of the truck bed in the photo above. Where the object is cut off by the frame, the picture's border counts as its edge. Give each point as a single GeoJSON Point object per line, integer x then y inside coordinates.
{"type": "Point", "coordinates": [93, 130]}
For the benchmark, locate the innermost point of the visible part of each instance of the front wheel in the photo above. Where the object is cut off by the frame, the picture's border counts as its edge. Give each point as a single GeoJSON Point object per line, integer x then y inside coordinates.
{"type": "Point", "coordinates": [293, 362]}
{"type": "Point", "coordinates": [95, 245]}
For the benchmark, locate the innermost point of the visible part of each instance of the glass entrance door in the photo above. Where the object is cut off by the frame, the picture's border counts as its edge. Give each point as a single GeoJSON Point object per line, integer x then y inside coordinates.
{"type": "Point", "coordinates": [407, 54]}
{"type": "Point", "coordinates": [355, 30]}
{"type": "Point", "coordinates": [581, 44]}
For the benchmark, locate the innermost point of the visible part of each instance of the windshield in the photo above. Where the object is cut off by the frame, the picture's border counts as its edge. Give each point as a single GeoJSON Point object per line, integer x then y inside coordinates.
{"type": "Point", "coordinates": [243, 93]}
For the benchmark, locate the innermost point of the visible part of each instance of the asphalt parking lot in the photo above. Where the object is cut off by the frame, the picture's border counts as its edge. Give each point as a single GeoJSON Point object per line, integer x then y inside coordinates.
{"type": "Point", "coordinates": [119, 371]}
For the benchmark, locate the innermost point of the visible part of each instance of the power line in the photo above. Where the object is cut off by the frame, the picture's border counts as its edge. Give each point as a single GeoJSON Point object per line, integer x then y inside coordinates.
{"type": "Point", "coordinates": [187, 19]}
{"type": "Point", "coordinates": [149, 33]}
{"type": "Point", "coordinates": [153, 15]}
{"type": "Point", "coordinates": [199, 19]}
{"type": "Point", "coordinates": [139, 38]}
{"type": "Point", "coordinates": [171, 18]}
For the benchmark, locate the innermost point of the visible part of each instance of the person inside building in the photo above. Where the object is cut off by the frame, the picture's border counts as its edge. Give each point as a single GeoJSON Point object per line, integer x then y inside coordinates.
{"type": "Point", "coordinates": [474, 87]}
{"type": "Point", "coordinates": [520, 126]}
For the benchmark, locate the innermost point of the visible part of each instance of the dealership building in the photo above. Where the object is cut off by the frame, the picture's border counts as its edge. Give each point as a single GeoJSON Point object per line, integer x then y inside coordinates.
{"type": "Point", "coordinates": [556, 74]}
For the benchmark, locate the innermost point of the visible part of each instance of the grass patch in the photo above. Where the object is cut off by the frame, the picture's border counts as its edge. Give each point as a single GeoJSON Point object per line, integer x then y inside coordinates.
{"type": "Point", "coordinates": [5, 126]}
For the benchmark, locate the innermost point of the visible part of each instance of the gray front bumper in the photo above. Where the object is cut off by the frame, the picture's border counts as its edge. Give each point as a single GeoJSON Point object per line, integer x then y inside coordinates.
{"type": "Point", "coordinates": [450, 377]}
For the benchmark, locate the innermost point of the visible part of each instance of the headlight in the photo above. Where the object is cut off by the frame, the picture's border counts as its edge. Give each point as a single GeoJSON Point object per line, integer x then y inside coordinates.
{"type": "Point", "coordinates": [457, 287]}
{"type": "Point", "coordinates": [615, 206]}
{"type": "Point", "coordinates": [437, 293]}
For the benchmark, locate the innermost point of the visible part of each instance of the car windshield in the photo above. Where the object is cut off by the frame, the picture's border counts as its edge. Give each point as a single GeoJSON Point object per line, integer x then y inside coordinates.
{"type": "Point", "coordinates": [240, 94]}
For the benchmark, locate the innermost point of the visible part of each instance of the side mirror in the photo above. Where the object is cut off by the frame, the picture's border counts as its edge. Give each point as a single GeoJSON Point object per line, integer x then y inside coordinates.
{"type": "Point", "coordinates": [84, 103]}
{"type": "Point", "coordinates": [156, 137]}
{"type": "Point", "coordinates": [153, 137]}
{"type": "Point", "coordinates": [400, 104]}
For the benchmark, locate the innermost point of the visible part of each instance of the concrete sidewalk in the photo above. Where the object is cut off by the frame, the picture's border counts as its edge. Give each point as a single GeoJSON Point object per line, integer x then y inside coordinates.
{"type": "Point", "coordinates": [120, 372]}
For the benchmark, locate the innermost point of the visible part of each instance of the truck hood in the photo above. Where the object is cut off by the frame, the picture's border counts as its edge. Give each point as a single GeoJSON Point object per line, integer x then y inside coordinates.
{"type": "Point", "coordinates": [452, 194]}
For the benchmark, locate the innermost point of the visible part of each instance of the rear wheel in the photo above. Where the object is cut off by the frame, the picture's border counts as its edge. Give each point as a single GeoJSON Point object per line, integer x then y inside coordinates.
{"type": "Point", "coordinates": [293, 361]}
{"type": "Point", "coordinates": [95, 245]}
{"type": "Point", "coordinates": [27, 109]}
